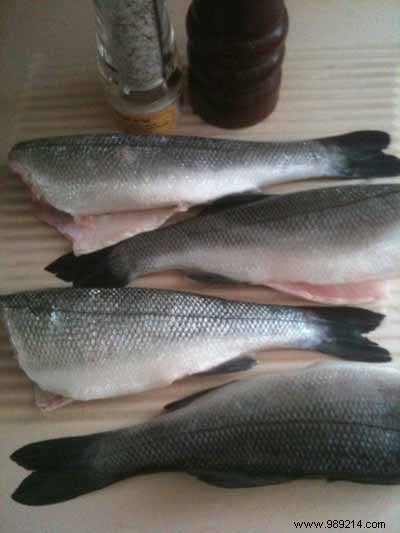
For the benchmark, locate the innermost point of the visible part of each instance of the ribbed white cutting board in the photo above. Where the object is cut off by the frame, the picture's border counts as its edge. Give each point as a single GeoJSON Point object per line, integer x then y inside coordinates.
{"type": "Point", "coordinates": [324, 92]}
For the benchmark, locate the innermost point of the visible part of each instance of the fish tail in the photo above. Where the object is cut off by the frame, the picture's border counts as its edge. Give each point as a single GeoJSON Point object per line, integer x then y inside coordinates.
{"type": "Point", "coordinates": [361, 154]}
{"type": "Point", "coordinates": [342, 333]}
{"type": "Point", "coordinates": [50, 487]}
{"type": "Point", "coordinates": [69, 467]}
{"type": "Point", "coordinates": [98, 269]}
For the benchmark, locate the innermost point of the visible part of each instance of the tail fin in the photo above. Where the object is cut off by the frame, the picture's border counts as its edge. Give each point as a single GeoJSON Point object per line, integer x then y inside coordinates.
{"type": "Point", "coordinates": [67, 468]}
{"type": "Point", "coordinates": [56, 454]}
{"type": "Point", "coordinates": [47, 488]}
{"type": "Point", "coordinates": [362, 154]}
{"type": "Point", "coordinates": [342, 333]}
{"type": "Point", "coordinates": [103, 268]}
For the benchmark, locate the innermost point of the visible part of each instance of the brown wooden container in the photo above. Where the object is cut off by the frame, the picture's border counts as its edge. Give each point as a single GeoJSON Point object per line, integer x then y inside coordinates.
{"type": "Point", "coordinates": [234, 110]}
{"type": "Point", "coordinates": [235, 50]}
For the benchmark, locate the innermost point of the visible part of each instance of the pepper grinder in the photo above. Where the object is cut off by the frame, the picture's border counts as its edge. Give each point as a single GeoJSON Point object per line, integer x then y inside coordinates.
{"type": "Point", "coordinates": [138, 63]}
{"type": "Point", "coordinates": [236, 49]}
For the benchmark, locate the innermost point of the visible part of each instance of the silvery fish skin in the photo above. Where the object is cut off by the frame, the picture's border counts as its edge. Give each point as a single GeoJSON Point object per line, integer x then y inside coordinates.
{"type": "Point", "coordinates": [331, 421]}
{"type": "Point", "coordinates": [96, 174]}
{"type": "Point", "coordinates": [331, 237]}
{"type": "Point", "coordinates": [87, 344]}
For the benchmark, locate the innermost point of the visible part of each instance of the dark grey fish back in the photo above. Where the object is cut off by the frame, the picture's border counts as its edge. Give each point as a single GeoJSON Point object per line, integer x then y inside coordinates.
{"type": "Point", "coordinates": [170, 141]}
{"type": "Point", "coordinates": [333, 421]}
{"type": "Point", "coordinates": [332, 216]}
{"type": "Point", "coordinates": [281, 207]}
{"type": "Point", "coordinates": [323, 393]}
{"type": "Point", "coordinates": [133, 301]}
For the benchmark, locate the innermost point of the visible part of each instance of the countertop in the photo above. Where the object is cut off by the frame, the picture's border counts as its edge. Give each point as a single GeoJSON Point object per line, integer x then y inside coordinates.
{"type": "Point", "coordinates": [341, 73]}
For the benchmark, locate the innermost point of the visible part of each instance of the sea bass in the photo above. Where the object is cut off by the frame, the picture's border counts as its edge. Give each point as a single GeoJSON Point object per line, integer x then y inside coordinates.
{"type": "Point", "coordinates": [331, 421]}
{"type": "Point", "coordinates": [122, 178]}
{"type": "Point", "coordinates": [332, 245]}
{"type": "Point", "coordinates": [85, 344]}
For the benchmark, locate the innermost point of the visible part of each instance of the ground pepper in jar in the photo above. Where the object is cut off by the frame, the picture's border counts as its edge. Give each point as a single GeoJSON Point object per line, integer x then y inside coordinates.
{"type": "Point", "coordinates": [138, 63]}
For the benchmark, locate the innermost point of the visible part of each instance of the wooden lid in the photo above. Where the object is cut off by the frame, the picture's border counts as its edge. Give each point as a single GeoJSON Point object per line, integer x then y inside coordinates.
{"type": "Point", "coordinates": [237, 17]}
{"type": "Point", "coordinates": [229, 44]}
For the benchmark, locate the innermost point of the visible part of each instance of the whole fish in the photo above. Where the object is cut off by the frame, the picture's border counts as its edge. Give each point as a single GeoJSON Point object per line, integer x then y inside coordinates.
{"type": "Point", "coordinates": [86, 344]}
{"type": "Point", "coordinates": [330, 421]}
{"type": "Point", "coordinates": [96, 174]}
{"type": "Point", "coordinates": [124, 178]}
{"type": "Point", "coordinates": [331, 245]}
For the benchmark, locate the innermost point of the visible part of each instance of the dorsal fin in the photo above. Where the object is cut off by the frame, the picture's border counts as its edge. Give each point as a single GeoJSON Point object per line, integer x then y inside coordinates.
{"type": "Point", "coordinates": [238, 364]}
{"type": "Point", "coordinates": [233, 479]}
{"type": "Point", "coordinates": [208, 277]}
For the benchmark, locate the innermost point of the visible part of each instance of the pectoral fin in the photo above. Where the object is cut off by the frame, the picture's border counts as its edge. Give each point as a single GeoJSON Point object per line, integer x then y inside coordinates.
{"type": "Point", "coordinates": [213, 279]}
{"type": "Point", "coordinates": [236, 480]}
{"type": "Point", "coordinates": [187, 400]}
{"type": "Point", "coordinates": [239, 364]}
{"type": "Point", "coordinates": [233, 200]}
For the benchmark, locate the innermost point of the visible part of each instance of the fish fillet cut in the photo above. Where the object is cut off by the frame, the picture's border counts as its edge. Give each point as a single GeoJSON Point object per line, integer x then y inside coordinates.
{"type": "Point", "coordinates": [356, 293]}
{"type": "Point", "coordinates": [93, 232]}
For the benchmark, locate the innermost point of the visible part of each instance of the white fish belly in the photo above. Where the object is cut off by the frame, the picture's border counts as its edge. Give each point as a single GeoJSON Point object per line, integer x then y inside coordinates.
{"type": "Point", "coordinates": [131, 372]}
{"type": "Point", "coordinates": [263, 265]}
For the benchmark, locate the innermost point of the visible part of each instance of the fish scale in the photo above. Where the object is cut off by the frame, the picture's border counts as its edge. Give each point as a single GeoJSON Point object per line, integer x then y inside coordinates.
{"type": "Point", "coordinates": [98, 190]}
{"type": "Point", "coordinates": [332, 420]}
{"type": "Point", "coordinates": [85, 344]}
{"type": "Point", "coordinates": [109, 173]}
{"type": "Point", "coordinates": [336, 235]}
{"type": "Point", "coordinates": [261, 432]}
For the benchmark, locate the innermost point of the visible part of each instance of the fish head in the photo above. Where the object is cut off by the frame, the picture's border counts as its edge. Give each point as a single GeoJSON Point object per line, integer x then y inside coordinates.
{"type": "Point", "coordinates": [20, 170]}
{"type": "Point", "coordinates": [19, 161]}
{"type": "Point", "coordinates": [31, 166]}
{"type": "Point", "coordinates": [25, 321]}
